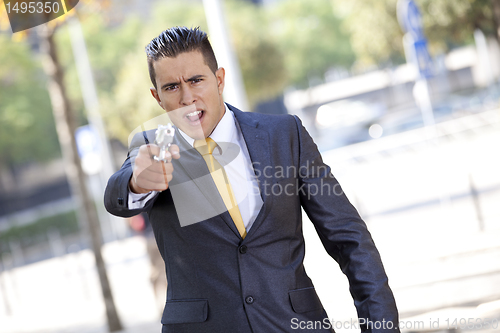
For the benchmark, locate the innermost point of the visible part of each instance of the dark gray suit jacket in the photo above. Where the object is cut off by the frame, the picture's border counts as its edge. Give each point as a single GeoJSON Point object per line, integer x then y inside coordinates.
{"type": "Point", "coordinates": [220, 283]}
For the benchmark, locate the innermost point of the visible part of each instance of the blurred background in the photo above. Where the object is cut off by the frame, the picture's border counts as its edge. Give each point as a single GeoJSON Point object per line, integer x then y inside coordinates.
{"type": "Point", "coordinates": [404, 105]}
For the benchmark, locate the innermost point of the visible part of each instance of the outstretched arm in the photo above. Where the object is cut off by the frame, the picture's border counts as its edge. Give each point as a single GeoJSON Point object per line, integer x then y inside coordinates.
{"type": "Point", "coordinates": [139, 174]}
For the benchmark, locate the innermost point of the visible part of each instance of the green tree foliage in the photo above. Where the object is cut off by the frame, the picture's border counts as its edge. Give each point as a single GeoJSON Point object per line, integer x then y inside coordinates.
{"type": "Point", "coordinates": [450, 23]}
{"type": "Point", "coordinates": [108, 48]}
{"type": "Point", "coordinates": [130, 104]}
{"type": "Point", "coordinates": [260, 58]}
{"type": "Point", "coordinates": [309, 34]}
{"type": "Point", "coordinates": [374, 30]}
{"type": "Point", "coordinates": [376, 36]}
{"type": "Point", "coordinates": [27, 131]}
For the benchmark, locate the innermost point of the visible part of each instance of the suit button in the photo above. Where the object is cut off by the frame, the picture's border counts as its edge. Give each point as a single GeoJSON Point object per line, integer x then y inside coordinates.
{"type": "Point", "coordinates": [120, 201]}
{"type": "Point", "coordinates": [243, 249]}
{"type": "Point", "coordinates": [249, 299]}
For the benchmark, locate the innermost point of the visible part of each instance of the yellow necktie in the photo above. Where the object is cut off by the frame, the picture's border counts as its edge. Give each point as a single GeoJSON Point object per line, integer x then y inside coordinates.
{"type": "Point", "coordinates": [205, 148]}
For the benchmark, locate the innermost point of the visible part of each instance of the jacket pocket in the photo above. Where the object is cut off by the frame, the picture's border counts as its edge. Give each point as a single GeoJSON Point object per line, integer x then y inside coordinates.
{"type": "Point", "coordinates": [185, 311]}
{"type": "Point", "coordinates": [304, 300]}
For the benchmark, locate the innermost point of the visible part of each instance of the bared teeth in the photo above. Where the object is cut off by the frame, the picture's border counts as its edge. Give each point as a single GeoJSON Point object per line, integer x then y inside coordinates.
{"type": "Point", "coordinates": [193, 114]}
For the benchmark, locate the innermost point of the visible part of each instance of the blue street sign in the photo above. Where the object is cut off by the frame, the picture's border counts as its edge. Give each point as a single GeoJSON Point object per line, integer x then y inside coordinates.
{"type": "Point", "coordinates": [417, 53]}
{"type": "Point", "coordinates": [87, 141]}
{"type": "Point", "coordinates": [89, 149]}
{"type": "Point", "coordinates": [423, 58]}
{"type": "Point", "coordinates": [410, 18]}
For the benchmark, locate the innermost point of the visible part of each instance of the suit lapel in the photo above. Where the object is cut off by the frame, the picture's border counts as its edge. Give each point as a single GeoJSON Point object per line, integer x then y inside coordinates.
{"type": "Point", "coordinates": [258, 145]}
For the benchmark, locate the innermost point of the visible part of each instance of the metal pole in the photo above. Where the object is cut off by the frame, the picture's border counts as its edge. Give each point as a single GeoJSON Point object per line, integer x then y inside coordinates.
{"type": "Point", "coordinates": [89, 91]}
{"type": "Point", "coordinates": [234, 89]}
{"type": "Point", "coordinates": [8, 310]}
{"type": "Point", "coordinates": [91, 101]}
{"type": "Point", "coordinates": [477, 205]}
{"type": "Point", "coordinates": [484, 62]}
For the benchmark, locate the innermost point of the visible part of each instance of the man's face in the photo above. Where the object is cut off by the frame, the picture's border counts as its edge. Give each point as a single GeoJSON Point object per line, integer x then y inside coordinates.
{"type": "Point", "coordinates": [190, 92]}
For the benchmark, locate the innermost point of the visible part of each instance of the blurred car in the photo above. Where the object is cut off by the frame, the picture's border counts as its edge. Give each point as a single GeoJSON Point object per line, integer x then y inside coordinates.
{"type": "Point", "coordinates": [345, 122]}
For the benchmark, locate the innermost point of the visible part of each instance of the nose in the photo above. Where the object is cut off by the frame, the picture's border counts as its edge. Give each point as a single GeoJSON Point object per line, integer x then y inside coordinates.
{"type": "Point", "coordinates": [187, 96]}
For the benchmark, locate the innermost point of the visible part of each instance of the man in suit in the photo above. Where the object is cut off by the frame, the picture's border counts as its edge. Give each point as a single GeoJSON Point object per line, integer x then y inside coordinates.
{"type": "Point", "coordinates": [226, 208]}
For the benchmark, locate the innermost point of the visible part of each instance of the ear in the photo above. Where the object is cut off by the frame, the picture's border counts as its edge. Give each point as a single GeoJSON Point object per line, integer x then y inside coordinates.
{"type": "Point", "coordinates": [156, 96]}
{"type": "Point", "coordinates": [220, 75]}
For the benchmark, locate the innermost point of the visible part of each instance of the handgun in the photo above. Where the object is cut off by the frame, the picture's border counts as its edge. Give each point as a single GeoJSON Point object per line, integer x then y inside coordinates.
{"type": "Point", "coordinates": [164, 136]}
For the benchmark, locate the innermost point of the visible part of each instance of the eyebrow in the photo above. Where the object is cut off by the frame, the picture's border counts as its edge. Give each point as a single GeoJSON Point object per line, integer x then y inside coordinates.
{"type": "Point", "coordinates": [192, 78]}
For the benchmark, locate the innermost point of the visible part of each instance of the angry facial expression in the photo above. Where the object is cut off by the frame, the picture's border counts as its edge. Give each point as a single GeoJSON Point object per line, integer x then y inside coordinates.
{"type": "Point", "coordinates": [190, 92]}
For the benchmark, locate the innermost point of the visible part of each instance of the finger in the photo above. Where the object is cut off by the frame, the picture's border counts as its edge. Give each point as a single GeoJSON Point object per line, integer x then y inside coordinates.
{"type": "Point", "coordinates": [154, 173]}
{"type": "Point", "coordinates": [174, 151]}
{"type": "Point", "coordinates": [149, 149]}
{"type": "Point", "coordinates": [161, 167]}
{"type": "Point", "coordinates": [158, 169]}
{"type": "Point", "coordinates": [168, 157]}
{"type": "Point", "coordinates": [167, 168]}
{"type": "Point", "coordinates": [153, 181]}
{"type": "Point", "coordinates": [145, 161]}
{"type": "Point", "coordinates": [149, 177]}
{"type": "Point", "coordinates": [167, 178]}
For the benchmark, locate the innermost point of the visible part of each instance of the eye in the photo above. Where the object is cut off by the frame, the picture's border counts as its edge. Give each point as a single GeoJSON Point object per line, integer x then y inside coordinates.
{"type": "Point", "coordinates": [171, 88]}
{"type": "Point", "coordinates": [198, 80]}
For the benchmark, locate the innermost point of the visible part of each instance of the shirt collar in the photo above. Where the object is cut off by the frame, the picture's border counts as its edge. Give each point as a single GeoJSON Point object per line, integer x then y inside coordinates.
{"type": "Point", "coordinates": [225, 131]}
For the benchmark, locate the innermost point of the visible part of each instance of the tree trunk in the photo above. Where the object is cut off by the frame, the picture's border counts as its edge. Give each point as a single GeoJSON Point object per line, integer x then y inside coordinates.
{"type": "Point", "coordinates": [65, 125]}
{"type": "Point", "coordinates": [496, 17]}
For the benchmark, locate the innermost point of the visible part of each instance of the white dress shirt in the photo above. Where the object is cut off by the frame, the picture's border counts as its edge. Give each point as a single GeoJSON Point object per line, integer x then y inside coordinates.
{"type": "Point", "coordinates": [239, 171]}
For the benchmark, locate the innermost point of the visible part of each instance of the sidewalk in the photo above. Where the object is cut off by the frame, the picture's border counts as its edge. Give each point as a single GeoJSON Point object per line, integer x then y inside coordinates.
{"type": "Point", "coordinates": [137, 328]}
{"type": "Point", "coordinates": [63, 294]}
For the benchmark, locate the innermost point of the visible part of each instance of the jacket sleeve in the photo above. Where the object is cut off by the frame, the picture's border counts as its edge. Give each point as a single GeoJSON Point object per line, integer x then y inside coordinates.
{"type": "Point", "coordinates": [117, 190]}
{"type": "Point", "coordinates": [346, 238]}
